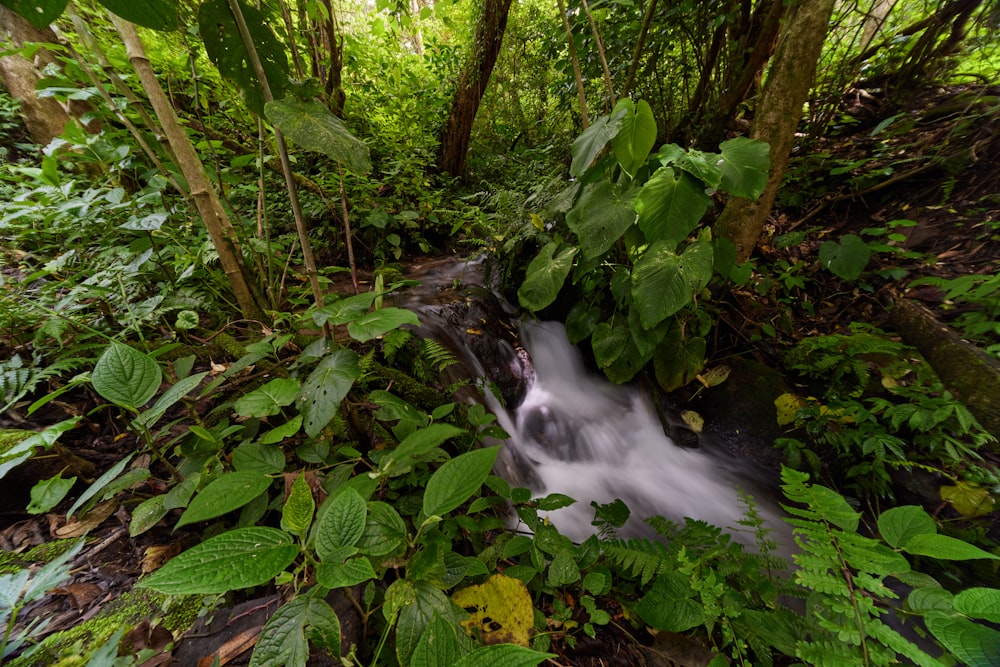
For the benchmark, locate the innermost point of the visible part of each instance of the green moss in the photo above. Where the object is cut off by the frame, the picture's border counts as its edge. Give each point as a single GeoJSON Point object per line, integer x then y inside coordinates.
{"type": "Point", "coordinates": [125, 612]}
{"type": "Point", "coordinates": [43, 553]}
{"type": "Point", "coordinates": [10, 437]}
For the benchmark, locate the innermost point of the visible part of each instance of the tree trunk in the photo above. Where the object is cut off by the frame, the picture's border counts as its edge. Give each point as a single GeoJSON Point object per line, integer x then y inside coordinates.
{"type": "Point", "coordinates": [44, 117]}
{"type": "Point", "coordinates": [793, 70]}
{"type": "Point", "coordinates": [457, 131]}
{"type": "Point", "coordinates": [206, 199]}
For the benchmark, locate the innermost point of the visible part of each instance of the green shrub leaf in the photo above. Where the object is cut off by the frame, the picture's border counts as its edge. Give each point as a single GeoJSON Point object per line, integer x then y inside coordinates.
{"type": "Point", "coordinates": [670, 205]}
{"type": "Point", "coordinates": [594, 139]}
{"type": "Point", "coordinates": [312, 126]}
{"type": "Point", "coordinates": [899, 524]}
{"type": "Point", "coordinates": [229, 492]}
{"type": "Point", "coordinates": [236, 559]}
{"type": "Point", "coordinates": [981, 603]}
{"type": "Point", "coordinates": [636, 135]}
{"type": "Point", "coordinates": [503, 655]}
{"type": "Point", "coordinates": [147, 514]}
{"type": "Point", "coordinates": [48, 493]}
{"type": "Point", "coordinates": [155, 14]}
{"type": "Point", "coordinates": [973, 644]}
{"type": "Point", "coordinates": [664, 282]}
{"type": "Point", "coordinates": [668, 604]}
{"type": "Point", "coordinates": [944, 547]}
{"type": "Point", "coordinates": [326, 387]}
{"type": "Point", "coordinates": [599, 219]}
{"type": "Point", "coordinates": [352, 572]}
{"type": "Point", "coordinates": [341, 523]}
{"type": "Point", "coordinates": [40, 13]}
{"type": "Point", "coordinates": [125, 376]}
{"type": "Point", "coordinates": [455, 481]}
{"type": "Point", "coordinates": [374, 324]}
{"type": "Point", "coordinates": [745, 164]}
{"type": "Point", "coordinates": [384, 530]}
{"type": "Point", "coordinates": [846, 259]}
{"type": "Point", "coordinates": [284, 641]}
{"type": "Point", "coordinates": [297, 512]}
{"type": "Point", "coordinates": [545, 276]}
{"type": "Point", "coordinates": [268, 399]}
{"type": "Point", "coordinates": [417, 444]}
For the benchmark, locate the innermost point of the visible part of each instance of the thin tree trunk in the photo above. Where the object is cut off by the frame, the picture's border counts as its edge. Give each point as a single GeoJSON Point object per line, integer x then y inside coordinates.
{"type": "Point", "coordinates": [608, 83]}
{"type": "Point", "coordinates": [577, 74]}
{"type": "Point", "coordinates": [457, 131]}
{"type": "Point", "coordinates": [793, 71]}
{"type": "Point", "coordinates": [206, 199]}
{"type": "Point", "coordinates": [640, 44]}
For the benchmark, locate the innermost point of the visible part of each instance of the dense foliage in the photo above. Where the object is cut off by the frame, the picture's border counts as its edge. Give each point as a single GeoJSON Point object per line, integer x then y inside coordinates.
{"type": "Point", "coordinates": [194, 317]}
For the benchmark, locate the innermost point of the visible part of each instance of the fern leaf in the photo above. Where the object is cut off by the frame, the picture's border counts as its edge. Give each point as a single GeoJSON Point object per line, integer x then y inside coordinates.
{"type": "Point", "coordinates": [638, 557]}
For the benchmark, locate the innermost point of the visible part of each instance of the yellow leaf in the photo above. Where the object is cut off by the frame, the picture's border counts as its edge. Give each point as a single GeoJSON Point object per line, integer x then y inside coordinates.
{"type": "Point", "coordinates": [968, 499]}
{"type": "Point", "coordinates": [500, 609]}
{"type": "Point", "coordinates": [537, 222]}
{"type": "Point", "coordinates": [715, 375]}
{"type": "Point", "coordinates": [787, 405]}
{"type": "Point", "coordinates": [694, 421]}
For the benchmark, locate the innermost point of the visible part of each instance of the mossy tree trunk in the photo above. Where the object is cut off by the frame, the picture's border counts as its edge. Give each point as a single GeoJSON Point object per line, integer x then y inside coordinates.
{"type": "Point", "coordinates": [778, 112]}
{"type": "Point", "coordinates": [457, 130]}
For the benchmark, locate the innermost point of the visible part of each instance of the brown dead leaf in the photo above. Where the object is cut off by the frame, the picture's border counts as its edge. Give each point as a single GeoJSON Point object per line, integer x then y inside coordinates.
{"type": "Point", "coordinates": [80, 595]}
{"type": "Point", "coordinates": [147, 636]}
{"type": "Point", "coordinates": [80, 526]}
{"type": "Point", "coordinates": [233, 648]}
{"type": "Point", "coordinates": [153, 558]}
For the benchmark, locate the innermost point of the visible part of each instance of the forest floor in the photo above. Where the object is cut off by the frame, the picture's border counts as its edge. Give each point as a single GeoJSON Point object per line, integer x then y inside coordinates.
{"type": "Point", "coordinates": [942, 173]}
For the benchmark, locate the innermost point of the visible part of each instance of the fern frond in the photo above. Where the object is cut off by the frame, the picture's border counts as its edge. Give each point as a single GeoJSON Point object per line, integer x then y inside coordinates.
{"type": "Point", "coordinates": [638, 557]}
{"type": "Point", "coordinates": [437, 355]}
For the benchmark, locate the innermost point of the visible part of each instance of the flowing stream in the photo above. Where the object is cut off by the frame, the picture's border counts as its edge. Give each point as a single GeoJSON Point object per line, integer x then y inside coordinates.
{"type": "Point", "coordinates": [575, 433]}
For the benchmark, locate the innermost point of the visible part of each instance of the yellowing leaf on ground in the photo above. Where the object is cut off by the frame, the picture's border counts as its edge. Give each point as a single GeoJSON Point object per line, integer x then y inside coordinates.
{"type": "Point", "coordinates": [694, 421]}
{"type": "Point", "coordinates": [500, 609]}
{"type": "Point", "coordinates": [968, 499]}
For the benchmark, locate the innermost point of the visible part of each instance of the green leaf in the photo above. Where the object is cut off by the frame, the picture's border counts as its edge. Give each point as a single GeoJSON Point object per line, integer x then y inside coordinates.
{"type": "Point", "coordinates": [636, 135]}
{"type": "Point", "coordinates": [503, 655]}
{"type": "Point", "coordinates": [146, 514]}
{"type": "Point", "coordinates": [259, 458]}
{"type": "Point", "coordinates": [374, 324]}
{"type": "Point", "coordinates": [225, 48]}
{"type": "Point", "coordinates": [312, 126]}
{"type": "Point", "coordinates": [438, 645]}
{"type": "Point", "coordinates": [944, 548]}
{"type": "Point", "coordinates": [609, 340]}
{"type": "Point", "coordinates": [154, 14]}
{"type": "Point", "coordinates": [344, 575]}
{"type": "Point", "coordinates": [297, 513]}
{"type": "Point", "coordinates": [236, 559]}
{"type": "Point", "coordinates": [664, 282]}
{"type": "Point", "coordinates": [284, 641]}
{"type": "Point", "coordinates": [670, 205]}
{"type": "Point", "coordinates": [415, 616]}
{"type": "Point", "coordinates": [594, 139]}
{"type": "Point", "coordinates": [563, 570]}
{"type": "Point", "coordinates": [745, 164]}
{"type": "Point", "coordinates": [340, 523]}
{"type": "Point", "coordinates": [599, 219]}
{"type": "Point", "coordinates": [899, 524]}
{"type": "Point", "coordinates": [224, 494]}
{"type": "Point", "coordinates": [545, 276]}
{"type": "Point", "coordinates": [345, 310]}
{"type": "Point", "coordinates": [846, 259]}
{"type": "Point", "coordinates": [268, 399]}
{"type": "Point", "coordinates": [668, 604]}
{"type": "Point", "coordinates": [98, 485]}
{"type": "Point", "coordinates": [22, 451]}
{"type": "Point", "coordinates": [981, 603]}
{"type": "Point", "coordinates": [48, 493]}
{"type": "Point", "coordinates": [455, 481]}
{"type": "Point", "coordinates": [281, 433]}
{"type": "Point", "coordinates": [326, 387]}
{"type": "Point", "coordinates": [385, 530]}
{"type": "Point", "coordinates": [125, 376]}
{"type": "Point", "coordinates": [973, 644]}
{"type": "Point", "coordinates": [174, 393]}
{"type": "Point", "coordinates": [416, 444]}
{"type": "Point", "coordinates": [40, 13]}
{"type": "Point", "coordinates": [581, 321]}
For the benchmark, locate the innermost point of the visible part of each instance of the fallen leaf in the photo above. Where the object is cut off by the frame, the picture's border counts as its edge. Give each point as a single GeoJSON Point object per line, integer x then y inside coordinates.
{"type": "Point", "coordinates": [233, 648]}
{"type": "Point", "coordinates": [694, 421]}
{"type": "Point", "coordinates": [80, 526]}
{"type": "Point", "coordinates": [79, 595]}
{"type": "Point", "coordinates": [153, 558]}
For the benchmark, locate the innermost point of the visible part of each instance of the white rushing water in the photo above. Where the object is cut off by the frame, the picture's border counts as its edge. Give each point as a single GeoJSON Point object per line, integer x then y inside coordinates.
{"type": "Point", "coordinates": [582, 436]}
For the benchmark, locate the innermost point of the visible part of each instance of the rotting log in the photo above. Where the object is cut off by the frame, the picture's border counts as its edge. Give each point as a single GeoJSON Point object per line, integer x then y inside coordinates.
{"type": "Point", "coordinates": [971, 375]}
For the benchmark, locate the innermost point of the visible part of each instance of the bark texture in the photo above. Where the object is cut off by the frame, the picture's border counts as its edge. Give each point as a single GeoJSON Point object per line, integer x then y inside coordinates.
{"type": "Point", "coordinates": [777, 116]}
{"type": "Point", "coordinates": [475, 75]}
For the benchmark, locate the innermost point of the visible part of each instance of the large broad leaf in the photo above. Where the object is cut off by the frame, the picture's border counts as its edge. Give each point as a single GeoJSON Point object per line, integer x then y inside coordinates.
{"type": "Point", "coordinates": [155, 14]}
{"type": "Point", "coordinates": [385, 530]}
{"type": "Point", "coordinates": [438, 645]}
{"type": "Point", "coordinates": [899, 524]}
{"type": "Point", "coordinates": [609, 341]}
{"type": "Point", "coordinates": [670, 205]}
{"type": "Point", "coordinates": [503, 655]}
{"type": "Point", "coordinates": [225, 47]}
{"type": "Point", "coordinates": [668, 604]}
{"type": "Point", "coordinates": [944, 548]}
{"type": "Point", "coordinates": [846, 259]}
{"type": "Point", "coordinates": [326, 387]}
{"type": "Point", "coordinates": [40, 13]}
{"type": "Point", "coordinates": [594, 139]}
{"type": "Point", "coordinates": [229, 492]}
{"type": "Point", "coordinates": [501, 610]}
{"type": "Point", "coordinates": [981, 603]}
{"type": "Point", "coordinates": [545, 276]}
{"type": "Point", "coordinates": [374, 324]}
{"type": "Point", "coordinates": [236, 559]}
{"type": "Point", "coordinates": [312, 126]}
{"type": "Point", "coordinates": [455, 481]}
{"type": "Point", "coordinates": [745, 164]}
{"type": "Point", "coordinates": [973, 644]}
{"type": "Point", "coordinates": [415, 616]}
{"type": "Point", "coordinates": [341, 523]}
{"type": "Point", "coordinates": [268, 399]}
{"type": "Point", "coordinates": [635, 137]}
{"type": "Point", "coordinates": [599, 219]}
{"type": "Point", "coordinates": [677, 360]}
{"type": "Point", "coordinates": [416, 445]}
{"type": "Point", "coordinates": [664, 282]}
{"type": "Point", "coordinates": [125, 376]}
{"type": "Point", "coordinates": [283, 642]}
{"type": "Point", "coordinates": [345, 310]}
